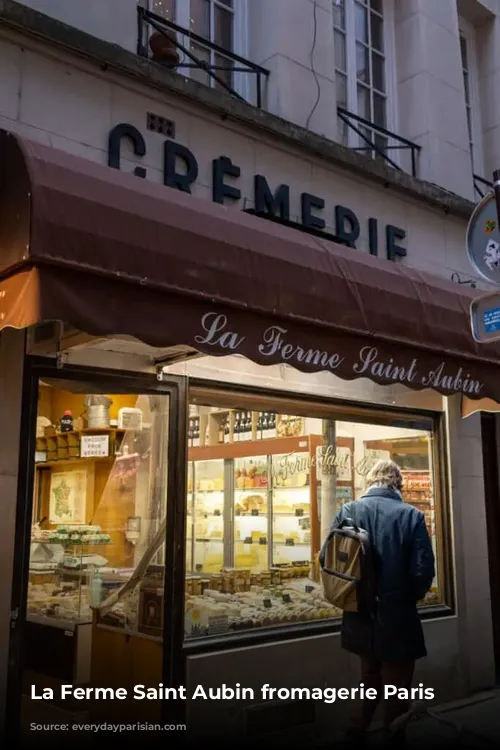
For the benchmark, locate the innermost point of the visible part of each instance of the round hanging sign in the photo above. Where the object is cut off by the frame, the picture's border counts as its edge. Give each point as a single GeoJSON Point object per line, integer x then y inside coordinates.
{"type": "Point", "coordinates": [483, 239]}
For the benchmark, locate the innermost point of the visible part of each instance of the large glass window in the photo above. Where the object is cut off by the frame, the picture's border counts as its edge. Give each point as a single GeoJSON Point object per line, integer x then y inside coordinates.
{"type": "Point", "coordinates": [360, 39]}
{"type": "Point", "coordinates": [264, 488]}
{"type": "Point", "coordinates": [95, 605]}
{"type": "Point", "coordinates": [214, 20]}
{"type": "Point", "coordinates": [471, 93]}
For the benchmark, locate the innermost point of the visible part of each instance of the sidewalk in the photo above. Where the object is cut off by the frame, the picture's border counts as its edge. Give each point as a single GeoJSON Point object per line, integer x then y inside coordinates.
{"type": "Point", "coordinates": [479, 715]}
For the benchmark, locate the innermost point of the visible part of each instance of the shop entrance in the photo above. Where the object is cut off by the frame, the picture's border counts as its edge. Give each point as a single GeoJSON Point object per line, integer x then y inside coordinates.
{"type": "Point", "coordinates": [95, 598]}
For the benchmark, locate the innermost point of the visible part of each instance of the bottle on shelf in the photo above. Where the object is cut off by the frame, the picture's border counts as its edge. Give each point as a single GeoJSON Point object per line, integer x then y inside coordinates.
{"type": "Point", "coordinates": [67, 422]}
{"type": "Point", "coordinates": [249, 425]}
{"type": "Point", "coordinates": [221, 431]}
{"type": "Point", "coordinates": [244, 434]}
{"type": "Point", "coordinates": [269, 425]}
{"type": "Point", "coordinates": [196, 432]}
{"type": "Point", "coordinates": [226, 431]}
{"type": "Point", "coordinates": [259, 427]}
{"type": "Point", "coordinates": [237, 427]}
{"type": "Point", "coordinates": [190, 432]}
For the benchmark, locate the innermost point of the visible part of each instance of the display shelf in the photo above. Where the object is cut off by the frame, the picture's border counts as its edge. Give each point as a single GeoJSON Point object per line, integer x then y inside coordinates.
{"type": "Point", "coordinates": [57, 622]}
{"type": "Point", "coordinates": [59, 447]}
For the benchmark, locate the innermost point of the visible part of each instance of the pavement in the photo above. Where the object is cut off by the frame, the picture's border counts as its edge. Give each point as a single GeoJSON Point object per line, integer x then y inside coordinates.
{"type": "Point", "coordinates": [473, 722]}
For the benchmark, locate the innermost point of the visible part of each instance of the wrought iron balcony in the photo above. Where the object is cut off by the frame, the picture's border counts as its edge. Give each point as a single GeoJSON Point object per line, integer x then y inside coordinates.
{"type": "Point", "coordinates": [378, 141]}
{"type": "Point", "coordinates": [222, 75]}
{"type": "Point", "coordinates": [481, 186]}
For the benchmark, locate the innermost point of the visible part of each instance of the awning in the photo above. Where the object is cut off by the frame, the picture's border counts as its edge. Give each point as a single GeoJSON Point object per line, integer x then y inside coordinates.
{"type": "Point", "coordinates": [113, 254]}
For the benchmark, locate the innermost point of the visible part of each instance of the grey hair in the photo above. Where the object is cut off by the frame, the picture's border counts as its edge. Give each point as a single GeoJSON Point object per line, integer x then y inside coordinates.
{"type": "Point", "coordinates": [385, 474]}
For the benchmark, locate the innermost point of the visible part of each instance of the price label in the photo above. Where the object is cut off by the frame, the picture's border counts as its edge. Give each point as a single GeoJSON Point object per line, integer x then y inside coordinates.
{"type": "Point", "coordinates": [309, 589]}
{"type": "Point", "coordinates": [248, 540]}
{"type": "Point", "coordinates": [268, 603]}
{"type": "Point", "coordinates": [287, 598]}
{"type": "Point", "coordinates": [94, 446]}
{"type": "Point", "coordinates": [299, 511]}
{"type": "Point", "coordinates": [255, 511]}
{"type": "Point", "coordinates": [290, 543]}
{"type": "Point", "coordinates": [263, 540]}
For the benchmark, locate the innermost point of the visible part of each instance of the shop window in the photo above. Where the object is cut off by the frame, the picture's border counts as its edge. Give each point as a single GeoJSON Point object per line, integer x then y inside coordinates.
{"type": "Point", "coordinates": [363, 54]}
{"type": "Point", "coordinates": [263, 489]}
{"type": "Point", "coordinates": [97, 556]}
{"type": "Point", "coordinates": [471, 92]}
{"type": "Point", "coordinates": [222, 22]}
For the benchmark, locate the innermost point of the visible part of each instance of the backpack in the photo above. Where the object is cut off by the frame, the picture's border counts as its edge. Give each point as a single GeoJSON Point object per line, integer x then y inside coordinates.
{"type": "Point", "coordinates": [347, 569]}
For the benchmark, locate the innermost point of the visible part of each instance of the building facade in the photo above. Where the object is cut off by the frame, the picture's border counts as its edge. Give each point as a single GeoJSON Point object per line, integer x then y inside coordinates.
{"type": "Point", "coordinates": [371, 124]}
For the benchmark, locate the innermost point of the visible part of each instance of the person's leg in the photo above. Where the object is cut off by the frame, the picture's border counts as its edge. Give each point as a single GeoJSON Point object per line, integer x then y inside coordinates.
{"type": "Point", "coordinates": [400, 675]}
{"type": "Point", "coordinates": [371, 677]}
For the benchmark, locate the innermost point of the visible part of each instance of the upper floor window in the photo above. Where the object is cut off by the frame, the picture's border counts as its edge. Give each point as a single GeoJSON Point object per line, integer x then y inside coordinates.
{"type": "Point", "coordinates": [362, 46]}
{"type": "Point", "coordinates": [222, 22]}
{"type": "Point", "coordinates": [471, 91]}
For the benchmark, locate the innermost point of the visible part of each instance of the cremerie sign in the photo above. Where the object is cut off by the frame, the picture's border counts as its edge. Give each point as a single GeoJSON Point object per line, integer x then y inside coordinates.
{"type": "Point", "coordinates": [180, 171]}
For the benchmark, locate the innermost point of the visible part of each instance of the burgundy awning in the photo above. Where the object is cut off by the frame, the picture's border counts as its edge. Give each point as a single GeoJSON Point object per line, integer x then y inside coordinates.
{"type": "Point", "coordinates": [112, 254]}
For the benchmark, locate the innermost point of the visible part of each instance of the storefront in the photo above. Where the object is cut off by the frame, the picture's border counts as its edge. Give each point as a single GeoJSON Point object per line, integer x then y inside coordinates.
{"type": "Point", "coordinates": [202, 390]}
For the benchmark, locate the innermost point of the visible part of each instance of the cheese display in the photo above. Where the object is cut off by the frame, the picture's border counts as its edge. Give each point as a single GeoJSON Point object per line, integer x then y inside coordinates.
{"type": "Point", "coordinates": [214, 612]}
{"type": "Point", "coordinates": [67, 535]}
{"type": "Point", "coordinates": [66, 601]}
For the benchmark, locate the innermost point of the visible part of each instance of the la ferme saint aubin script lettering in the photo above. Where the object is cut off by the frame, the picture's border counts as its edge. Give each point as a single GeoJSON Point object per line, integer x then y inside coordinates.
{"type": "Point", "coordinates": [180, 171]}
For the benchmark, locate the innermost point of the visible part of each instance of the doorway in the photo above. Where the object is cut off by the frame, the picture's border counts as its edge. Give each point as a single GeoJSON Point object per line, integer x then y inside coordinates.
{"type": "Point", "coordinates": [96, 589]}
{"type": "Point", "coordinates": [492, 500]}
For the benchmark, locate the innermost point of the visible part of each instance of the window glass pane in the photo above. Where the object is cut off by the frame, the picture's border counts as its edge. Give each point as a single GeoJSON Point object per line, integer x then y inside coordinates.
{"type": "Point", "coordinates": [361, 26]}
{"type": "Point", "coordinates": [203, 54]}
{"type": "Point", "coordinates": [377, 5]}
{"type": "Point", "coordinates": [364, 102]}
{"type": "Point", "coordinates": [164, 8]}
{"type": "Point", "coordinates": [264, 488]}
{"type": "Point", "coordinates": [362, 63]}
{"type": "Point", "coordinates": [340, 51]}
{"type": "Point", "coordinates": [199, 19]}
{"type": "Point", "coordinates": [379, 110]}
{"type": "Point", "coordinates": [339, 14]}
{"type": "Point", "coordinates": [377, 32]}
{"type": "Point", "coordinates": [223, 28]}
{"type": "Point", "coordinates": [378, 78]}
{"type": "Point", "coordinates": [341, 90]}
{"type": "Point", "coordinates": [97, 559]}
{"type": "Point", "coordinates": [226, 74]}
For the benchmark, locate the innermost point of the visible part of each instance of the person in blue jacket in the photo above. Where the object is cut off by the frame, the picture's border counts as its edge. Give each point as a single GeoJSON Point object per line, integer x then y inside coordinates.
{"type": "Point", "coordinates": [390, 642]}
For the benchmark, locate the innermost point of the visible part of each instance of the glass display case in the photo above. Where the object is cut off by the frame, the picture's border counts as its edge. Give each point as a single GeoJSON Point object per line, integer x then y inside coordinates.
{"type": "Point", "coordinates": [63, 573]}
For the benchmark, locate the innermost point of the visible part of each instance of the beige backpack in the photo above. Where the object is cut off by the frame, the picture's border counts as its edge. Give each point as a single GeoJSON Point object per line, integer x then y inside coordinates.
{"type": "Point", "coordinates": [347, 571]}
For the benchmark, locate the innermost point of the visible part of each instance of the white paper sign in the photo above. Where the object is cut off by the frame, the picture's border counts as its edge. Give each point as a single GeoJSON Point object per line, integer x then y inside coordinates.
{"type": "Point", "coordinates": [94, 446]}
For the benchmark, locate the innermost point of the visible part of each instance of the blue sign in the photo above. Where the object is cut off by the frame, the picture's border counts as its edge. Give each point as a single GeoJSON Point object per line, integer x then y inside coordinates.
{"type": "Point", "coordinates": [491, 320]}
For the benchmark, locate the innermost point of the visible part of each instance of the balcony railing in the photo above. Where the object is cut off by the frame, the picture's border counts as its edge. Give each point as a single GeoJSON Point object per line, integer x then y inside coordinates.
{"type": "Point", "coordinates": [481, 186]}
{"type": "Point", "coordinates": [220, 75]}
{"type": "Point", "coordinates": [378, 141]}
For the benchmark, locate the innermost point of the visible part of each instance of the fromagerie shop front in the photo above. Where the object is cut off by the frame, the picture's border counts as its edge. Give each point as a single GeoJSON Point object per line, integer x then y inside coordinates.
{"type": "Point", "coordinates": [201, 390]}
